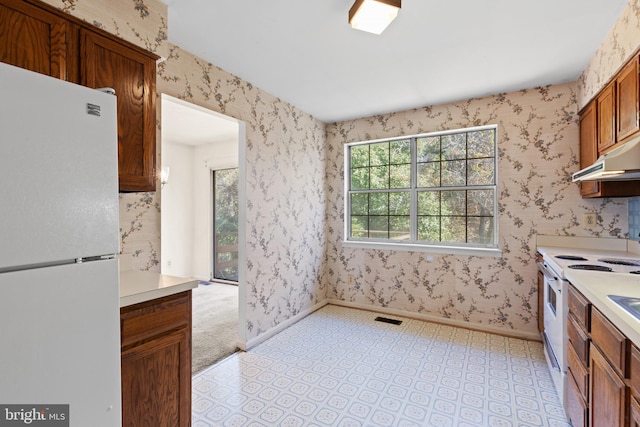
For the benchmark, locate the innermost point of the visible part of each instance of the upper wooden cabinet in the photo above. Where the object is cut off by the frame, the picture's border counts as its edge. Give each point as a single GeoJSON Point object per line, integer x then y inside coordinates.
{"type": "Point", "coordinates": [106, 63]}
{"type": "Point", "coordinates": [606, 107]}
{"type": "Point", "coordinates": [588, 147]}
{"type": "Point", "coordinates": [611, 118]}
{"type": "Point", "coordinates": [589, 125]}
{"type": "Point", "coordinates": [33, 38]}
{"type": "Point", "coordinates": [40, 38]}
{"type": "Point", "coordinates": [627, 101]}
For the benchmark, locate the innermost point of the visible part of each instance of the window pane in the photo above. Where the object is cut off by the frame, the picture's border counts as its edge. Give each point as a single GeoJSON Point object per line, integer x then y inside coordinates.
{"type": "Point", "coordinates": [481, 172]}
{"type": "Point", "coordinates": [359, 156]}
{"type": "Point", "coordinates": [359, 204]}
{"type": "Point", "coordinates": [480, 202]}
{"type": "Point", "coordinates": [400, 176]}
{"type": "Point", "coordinates": [380, 153]}
{"type": "Point", "coordinates": [454, 229]}
{"type": "Point", "coordinates": [379, 177]}
{"type": "Point", "coordinates": [454, 203]}
{"type": "Point", "coordinates": [401, 152]}
{"type": "Point", "coordinates": [379, 227]}
{"type": "Point", "coordinates": [429, 174]}
{"type": "Point", "coordinates": [453, 190]}
{"type": "Point", "coordinates": [400, 203]}
{"type": "Point", "coordinates": [454, 173]}
{"type": "Point", "coordinates": [400, 228]}
{"type": "Point", "coordinates": [481, 143]}
{"type": "Point", "coordinates": [429, 228]}
{"type": "Point", "coordinates": [428, 149]}
{"type": "Point", "coordinates": [225, 222]}
{"type": "Point", "coordinates": [429, 203]}
{"type": "Point", "coordinates": [454, 146]}
{"type": "Point", "coordinates": [480, 230]}
{"type": "Point", "coordinates": [379, 204]}
{"type": "Point", "coordinates": [359, 226]}
{"type": "Point", "coordinates": [360, 179]}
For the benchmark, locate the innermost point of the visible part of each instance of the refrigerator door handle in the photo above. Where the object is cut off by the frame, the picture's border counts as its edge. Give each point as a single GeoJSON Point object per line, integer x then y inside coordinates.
{"type": "Point", "coordinates": [94, 258]}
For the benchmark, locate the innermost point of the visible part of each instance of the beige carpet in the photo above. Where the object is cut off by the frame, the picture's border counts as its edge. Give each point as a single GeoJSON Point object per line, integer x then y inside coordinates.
{"type": "Point", "coordinates": [215, 324]}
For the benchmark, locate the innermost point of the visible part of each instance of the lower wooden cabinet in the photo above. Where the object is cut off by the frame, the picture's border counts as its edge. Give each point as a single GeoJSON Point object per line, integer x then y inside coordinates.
{"type": "Point", "coordinates": [635, 413]}
{"type": "Point", "coordinates": [609, 393]}
{"type": "Point", "coordinates": [156, 362]}
{"type": "Point", "coordinates": [603, 368]}
{"type": "Point", "coordinates": [577, 408]}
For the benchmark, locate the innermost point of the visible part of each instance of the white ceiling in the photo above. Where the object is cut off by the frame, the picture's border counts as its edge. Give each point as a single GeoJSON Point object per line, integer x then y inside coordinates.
{"type": "Point", "coordinates": [436, 51]}
{"type": "Point", "coordinates": [189, 124]}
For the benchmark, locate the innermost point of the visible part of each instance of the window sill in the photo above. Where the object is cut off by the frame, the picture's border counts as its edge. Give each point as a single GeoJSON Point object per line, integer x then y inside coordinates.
{"type": "Point", "coordinates": [435, 249]}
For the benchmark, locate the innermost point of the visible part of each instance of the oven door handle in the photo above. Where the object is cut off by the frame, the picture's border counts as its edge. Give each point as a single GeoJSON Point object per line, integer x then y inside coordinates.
{"type": "Point", "coordinates": [550, 278]}
{"type": "Point", "coordinates": [548, 274]}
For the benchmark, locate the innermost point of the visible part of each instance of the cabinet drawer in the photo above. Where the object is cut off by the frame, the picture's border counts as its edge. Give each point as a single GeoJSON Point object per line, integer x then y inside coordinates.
{"type": "Point", "coordinates": [634, 368]}
{"type": "Point", "coordinates": [578, 372]}
{"type": "Point", "coordinates": [611, 342]}
{"type": "Point", "coordinates": [580, 307]}
{"type": "Point", "coordinates": [578, 340]}
{"type": "Point", "coordinates": [146, 320]}
{"type": "Point", "coordinates": [576, 407]}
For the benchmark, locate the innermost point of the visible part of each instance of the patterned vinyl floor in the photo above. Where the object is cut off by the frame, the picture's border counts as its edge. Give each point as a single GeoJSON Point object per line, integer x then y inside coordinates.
{"type": "Point", "coordinates": [339, 367]}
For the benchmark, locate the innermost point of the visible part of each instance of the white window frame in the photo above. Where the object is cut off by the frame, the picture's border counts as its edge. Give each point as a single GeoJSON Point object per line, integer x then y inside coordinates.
{"type": "Point", "coordinates": [492, 250]}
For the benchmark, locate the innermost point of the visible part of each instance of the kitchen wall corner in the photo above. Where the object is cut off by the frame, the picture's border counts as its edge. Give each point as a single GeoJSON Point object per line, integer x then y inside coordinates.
{"type": "Point", "coordinates": [538, 149]}
{"type": "Point", "coordinates": [622, 41]}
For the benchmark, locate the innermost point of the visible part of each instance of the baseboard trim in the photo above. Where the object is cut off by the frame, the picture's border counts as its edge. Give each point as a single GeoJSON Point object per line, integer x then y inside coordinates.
{"type": "Point", "coordinates": [437, 319]}
{"type": "Point", "coordinates": [246, 345]}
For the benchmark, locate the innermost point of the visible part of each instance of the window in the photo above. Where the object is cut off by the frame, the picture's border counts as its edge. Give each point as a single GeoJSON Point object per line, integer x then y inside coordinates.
{"type": "Point", "coordinates": [430, 190]}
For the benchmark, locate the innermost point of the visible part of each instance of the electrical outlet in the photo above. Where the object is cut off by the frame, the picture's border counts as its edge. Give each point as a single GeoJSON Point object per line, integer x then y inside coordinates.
{"type": "Point", "coordinates": [168, 263]}
{"type": "Point", "coordinates": [350, 279]}
{"type": "Point", "coordinates": [589, 219]}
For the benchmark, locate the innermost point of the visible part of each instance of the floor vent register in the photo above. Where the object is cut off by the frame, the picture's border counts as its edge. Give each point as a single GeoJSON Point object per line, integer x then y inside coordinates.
{"type": "Point", "coordinates": [387, 320]}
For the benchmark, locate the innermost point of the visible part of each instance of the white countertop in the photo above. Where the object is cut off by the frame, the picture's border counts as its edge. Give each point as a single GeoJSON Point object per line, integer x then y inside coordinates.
{"type": "Point", "coordinates": [596, 285]}
{"type": "Point", "coordinates": [140, 286]}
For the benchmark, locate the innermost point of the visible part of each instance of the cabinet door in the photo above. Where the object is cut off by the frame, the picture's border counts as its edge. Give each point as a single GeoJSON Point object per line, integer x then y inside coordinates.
{"type": "Point", "coordinates": [156, 382]}
{"type": "Point", "coordinates": [588, 147]}
{"type": "Point", "coordinates": [635, 413]}
{"type": "Point", "coordinates": [627, 101]}
{"type": "Point", "coordinates": [577, 409]}
{"type": "Point", "coordinates": [34, 39]}
{"type": "Point", "coordinates": [608, 393]}
{"type": "Point", "coordinates": [606, 102]}
{"type": "Point", "coordinates": [106, 63]}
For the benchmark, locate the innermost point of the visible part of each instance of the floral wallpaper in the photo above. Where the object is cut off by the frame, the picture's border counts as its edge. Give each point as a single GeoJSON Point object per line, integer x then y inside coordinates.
{"type": "Point", "coordinates": [294, 187]}
{"type": "Point", "coordinates": [284, 169]}
{"type": "Point", "coordinates": [622, 41]}
{"type": "Point", "coordinates": [538, 151]}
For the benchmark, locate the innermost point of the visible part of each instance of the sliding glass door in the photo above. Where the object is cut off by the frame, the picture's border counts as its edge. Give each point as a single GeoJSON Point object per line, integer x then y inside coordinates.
{"type": "Point", "coordinates": [225, 225]}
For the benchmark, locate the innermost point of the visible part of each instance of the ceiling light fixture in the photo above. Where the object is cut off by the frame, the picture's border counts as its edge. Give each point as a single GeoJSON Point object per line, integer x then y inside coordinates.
{"type": "Point", "coordinates": [373, 16]}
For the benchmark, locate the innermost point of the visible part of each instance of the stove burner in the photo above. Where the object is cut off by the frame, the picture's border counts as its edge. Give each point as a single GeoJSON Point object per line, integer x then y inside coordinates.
{"type": "Point", "coordinates": [619, 262]}
{"type": "Point", "coordinates": [590, 267]}
{"type": "Point", "coordinates": [571, 257]}
{"type": "Point", "coordinates": [635, 272]}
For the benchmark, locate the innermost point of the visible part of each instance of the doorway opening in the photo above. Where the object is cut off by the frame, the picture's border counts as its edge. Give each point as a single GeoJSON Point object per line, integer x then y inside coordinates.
{"type": "Point", "coordinates": [199, 149]}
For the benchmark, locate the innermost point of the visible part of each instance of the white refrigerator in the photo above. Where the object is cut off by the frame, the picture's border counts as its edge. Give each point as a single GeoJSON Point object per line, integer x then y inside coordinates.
{"type": "Point", "coordinates": [59, 236]}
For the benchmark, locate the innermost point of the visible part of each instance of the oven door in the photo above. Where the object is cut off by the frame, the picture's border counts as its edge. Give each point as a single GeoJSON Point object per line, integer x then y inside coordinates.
{"type": "Point", "coordinates": [555, 318]}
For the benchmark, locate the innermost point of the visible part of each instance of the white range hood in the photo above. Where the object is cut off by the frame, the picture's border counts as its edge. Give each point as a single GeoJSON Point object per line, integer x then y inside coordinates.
{"type": "Point", "coordinates": [619, 164]}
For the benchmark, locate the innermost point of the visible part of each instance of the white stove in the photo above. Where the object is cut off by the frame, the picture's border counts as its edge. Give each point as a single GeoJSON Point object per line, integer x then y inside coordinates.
{"type": "Point", "coordinates": [564, 259]}
{"type": "Point", "coordinates": [556, 262]}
